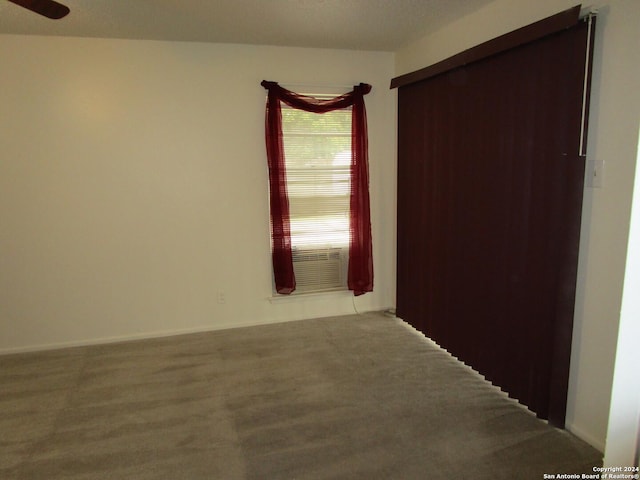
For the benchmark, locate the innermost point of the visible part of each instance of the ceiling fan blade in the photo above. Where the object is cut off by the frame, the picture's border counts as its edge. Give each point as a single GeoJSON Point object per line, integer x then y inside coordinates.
{"type": "Point", "coordinates": [48, 8]}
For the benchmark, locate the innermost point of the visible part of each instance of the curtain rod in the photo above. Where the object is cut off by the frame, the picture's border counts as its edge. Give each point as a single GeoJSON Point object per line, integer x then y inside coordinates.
{"type": "Point", "coordinates": [290, 86]}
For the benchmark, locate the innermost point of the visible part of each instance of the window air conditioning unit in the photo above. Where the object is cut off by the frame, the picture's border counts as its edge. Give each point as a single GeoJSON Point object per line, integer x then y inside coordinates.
{"type": "Point", "coordinates": [320, 269]}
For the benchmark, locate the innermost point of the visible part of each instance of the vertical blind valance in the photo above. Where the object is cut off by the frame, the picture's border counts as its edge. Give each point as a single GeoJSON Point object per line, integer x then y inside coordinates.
{"type": "Point", "coordinates": [360, 269]}
{"type": "Point", "coordinates": [547, 26]}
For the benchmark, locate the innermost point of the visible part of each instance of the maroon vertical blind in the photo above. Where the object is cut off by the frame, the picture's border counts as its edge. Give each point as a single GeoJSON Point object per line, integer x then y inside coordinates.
{"type": "Point", "coordinates": [490, 185]}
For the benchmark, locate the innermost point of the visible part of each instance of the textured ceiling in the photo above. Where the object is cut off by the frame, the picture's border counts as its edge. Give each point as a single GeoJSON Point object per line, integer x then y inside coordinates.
{"type": "Point", "coordinates": [382, 25]}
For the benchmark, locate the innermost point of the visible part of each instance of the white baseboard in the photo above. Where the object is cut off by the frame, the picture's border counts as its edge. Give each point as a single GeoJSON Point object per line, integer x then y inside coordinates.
{"type": "Point", "coordinates": [148, 335]}
{"type": "Point", "coordinates": [596, 443]}
{"type": "Point", "coordinates": [134, 337]}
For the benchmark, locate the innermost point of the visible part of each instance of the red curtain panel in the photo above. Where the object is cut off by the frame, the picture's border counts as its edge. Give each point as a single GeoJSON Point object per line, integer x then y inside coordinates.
{"type": "Point", "coordinates": [360, 271]}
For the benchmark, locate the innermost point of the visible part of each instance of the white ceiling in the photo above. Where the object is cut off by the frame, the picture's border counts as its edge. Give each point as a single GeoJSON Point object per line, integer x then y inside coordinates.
{"type": "Point", "coordinates": [382, 25]}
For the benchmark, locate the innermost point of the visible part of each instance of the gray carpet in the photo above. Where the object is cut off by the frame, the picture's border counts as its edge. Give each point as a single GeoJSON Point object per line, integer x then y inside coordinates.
{"type": "Point", "coordinates": [354, 397]}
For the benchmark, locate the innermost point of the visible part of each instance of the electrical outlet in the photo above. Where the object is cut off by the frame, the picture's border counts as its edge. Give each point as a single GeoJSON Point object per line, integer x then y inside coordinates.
{"type": "Point", "coordinates": [221, 297]}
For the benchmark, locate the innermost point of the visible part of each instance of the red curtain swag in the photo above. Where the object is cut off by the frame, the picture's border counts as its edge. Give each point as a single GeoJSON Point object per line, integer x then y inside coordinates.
{"type": "Point", "coordinates": [360, 276]}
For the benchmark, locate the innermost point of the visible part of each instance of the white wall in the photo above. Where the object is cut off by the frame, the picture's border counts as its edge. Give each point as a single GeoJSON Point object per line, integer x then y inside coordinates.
{"type": "Point", "coordinates": [623, 433]}
{"type": "Point", "coordinates": [133, 186]}
{"type": "Point", "coordinates": [613, 136]}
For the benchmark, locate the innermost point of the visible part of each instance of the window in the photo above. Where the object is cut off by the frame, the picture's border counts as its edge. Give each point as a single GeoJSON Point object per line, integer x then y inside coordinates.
{"type": "Point", "coordinates": [318, 158]}
{"type": "Point", "coordinates": [318, 190]}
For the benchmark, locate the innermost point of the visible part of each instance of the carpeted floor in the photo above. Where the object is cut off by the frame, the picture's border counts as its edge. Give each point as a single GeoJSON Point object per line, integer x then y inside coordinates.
{"type": "Point", "coordinates": [354, 397]}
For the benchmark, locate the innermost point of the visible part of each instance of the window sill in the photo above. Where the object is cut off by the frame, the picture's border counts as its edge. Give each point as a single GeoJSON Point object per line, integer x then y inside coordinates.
{"type": "Point", "coordinates": [308, 296]}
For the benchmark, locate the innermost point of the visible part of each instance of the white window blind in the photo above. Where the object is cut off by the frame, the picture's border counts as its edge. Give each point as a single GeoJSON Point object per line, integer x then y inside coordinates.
{"type": "Point", "coordinates": [317, 151]}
